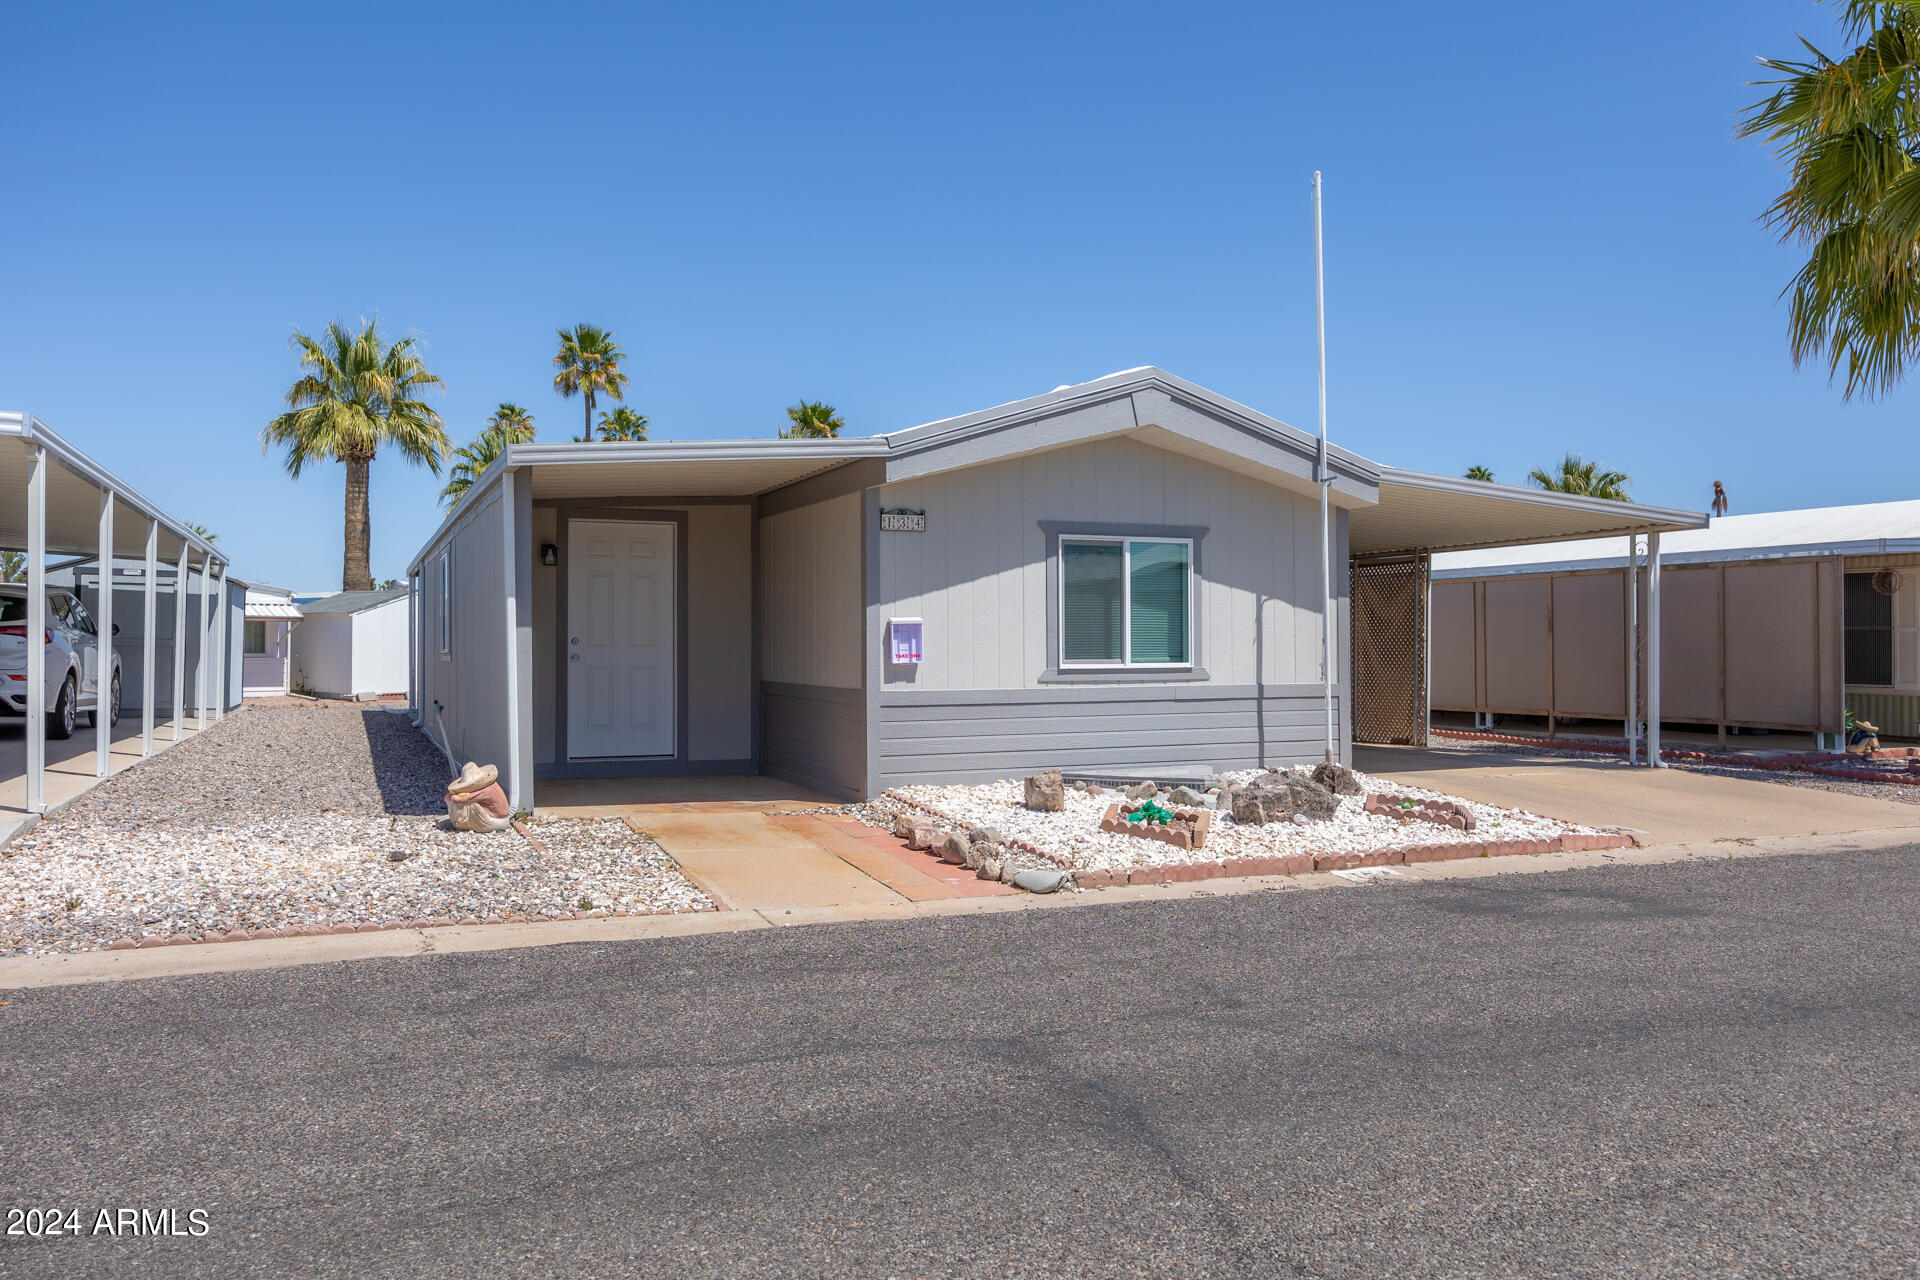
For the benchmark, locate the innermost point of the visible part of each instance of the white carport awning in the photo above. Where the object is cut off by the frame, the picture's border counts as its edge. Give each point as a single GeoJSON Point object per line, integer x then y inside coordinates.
{"type": "Point", "coordinates": [74, 486]}
{"type": "Point", "coordinates": [1422, 512]}
{"type": "Point", "coordinates": [688, 469]}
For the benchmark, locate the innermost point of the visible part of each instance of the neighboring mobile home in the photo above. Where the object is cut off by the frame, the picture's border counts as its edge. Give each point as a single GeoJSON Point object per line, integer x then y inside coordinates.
{"type": "Point", "coordinates": [352, 644]}
{"type": "Point", "coordinates": [266, 649]}
{"type": "Point", "coordinates": [1782, 621]}
{"type": "Point", "coordinates": [1123, 575]}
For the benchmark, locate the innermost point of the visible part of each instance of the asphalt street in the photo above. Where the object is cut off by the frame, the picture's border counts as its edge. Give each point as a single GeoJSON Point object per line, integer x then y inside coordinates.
{"type": "Point", "coordinates": [1691, 1070]}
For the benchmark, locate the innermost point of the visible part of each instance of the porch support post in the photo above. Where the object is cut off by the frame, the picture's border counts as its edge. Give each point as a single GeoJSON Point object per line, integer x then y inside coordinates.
{"type": "Point", "coordinates": [1653, 651]}
{"type": "Point", "coordinates": [200, 647]}
{"type": "Point", "coordinates": [1633, 648]}
{"type": "Point", "coordinates": [150, 696]}
{"type": "Point", "coordinates": [36, 726]}
{"type": "Point", "coordinates": [180, 642]}
{"type": "Point", "coordinates": [103, 643]}
{"type": "Point", "coordinates": [222, 624]}
{"type": "Point", "coordinates": [516, 516]}
{"type": "Point", "coordinates": [413, 647]}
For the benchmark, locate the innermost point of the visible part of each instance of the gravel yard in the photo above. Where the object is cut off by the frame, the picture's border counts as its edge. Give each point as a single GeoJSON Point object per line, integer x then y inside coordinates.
{"type": "Point", "coordinates": [1075, 838]}
{"type": "Point", "coordinates": [304, 819]}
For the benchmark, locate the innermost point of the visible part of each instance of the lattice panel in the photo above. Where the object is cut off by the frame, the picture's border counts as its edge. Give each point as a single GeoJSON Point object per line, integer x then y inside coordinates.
{"type": "Point", "coordinates": [1389, 595]}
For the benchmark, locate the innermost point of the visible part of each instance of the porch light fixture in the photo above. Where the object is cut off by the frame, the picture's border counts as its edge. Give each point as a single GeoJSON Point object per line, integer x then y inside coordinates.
{"type": "Point", "coordinates": [549, 554]}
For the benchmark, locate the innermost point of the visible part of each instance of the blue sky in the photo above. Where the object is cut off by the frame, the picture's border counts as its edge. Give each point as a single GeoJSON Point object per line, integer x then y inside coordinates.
{"type": "Point", "coordinates": [1540, 235]}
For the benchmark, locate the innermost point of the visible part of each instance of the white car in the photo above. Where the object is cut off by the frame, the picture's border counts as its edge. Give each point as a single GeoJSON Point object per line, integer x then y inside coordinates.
{"type": "Point", "coordinates": [73, 660]}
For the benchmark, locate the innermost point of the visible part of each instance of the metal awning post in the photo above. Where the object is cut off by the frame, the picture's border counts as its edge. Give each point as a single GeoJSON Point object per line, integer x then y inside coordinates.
{"type": "Point", "coordinates": [1633, 648]}
{"type": "Point", "coordinates": [200, 647]}
{"type": "Point", "coordinates": [1325, 478]}
{"type": "Point", "coordinates": [222, 624]}
{"type": "Point", "coordinates": [1653, 651]}
{"type": "Point", "coordinates": [180, 642]}
{"type": "Point", "coordinates": [413, 647]}
{"type": "Point", "coordinates": [151, 609]}
{"type": "Point", "coordinates": [103, 644]}
{"type": "Point", "coordinates": [36, 726]}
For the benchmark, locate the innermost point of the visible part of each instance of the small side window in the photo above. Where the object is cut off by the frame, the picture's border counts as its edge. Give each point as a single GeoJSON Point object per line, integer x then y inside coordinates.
{"type": "Point", "coordinates": [446, 601]}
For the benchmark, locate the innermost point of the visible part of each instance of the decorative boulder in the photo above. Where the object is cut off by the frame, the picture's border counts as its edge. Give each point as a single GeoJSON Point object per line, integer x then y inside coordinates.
{"type": "Point", "coordinates": [1337, 778]}
{"type": "Point", "coordinates": [1046, 792]}
{"type": "Point", "coordinates": [1038, 881]}
{"type": "Point", "coordinates": [955, 848]}
{"type": "Point", "coordinates": [989, 869]}
{"type": "Point", "coordinates": [923, 836]}
{"type": "Point", "coordinates": [1142, 791]}
{"type": "Point", "coordinates": [903, 827]}
{"type": "Point", "coordinates": [988, 835]}
{"type": "Point", "coordinates": [1277, 797]}
{"type": "Point", "coordinates": [1188, 797]}
{"type": "Point", "coordinates": [982, 851]}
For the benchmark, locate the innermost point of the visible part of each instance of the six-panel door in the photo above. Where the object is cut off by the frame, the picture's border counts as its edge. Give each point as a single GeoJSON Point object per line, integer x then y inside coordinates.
{"type": "Point", "coordinates": [620, 639]}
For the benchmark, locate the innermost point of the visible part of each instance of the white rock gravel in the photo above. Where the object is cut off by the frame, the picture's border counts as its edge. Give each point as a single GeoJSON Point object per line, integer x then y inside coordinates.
{"type": "Point", "coordinates": [1074, 835]}
{"type": "Point", "coordinates": [281, 818]}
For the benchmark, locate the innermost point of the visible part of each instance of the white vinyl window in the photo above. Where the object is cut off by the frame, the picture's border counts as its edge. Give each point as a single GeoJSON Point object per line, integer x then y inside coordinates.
{"type": "Point", "coordinates": [1126, 602]}
{"type": "Point", "coordinates": [254, 638]}
{"type": "Point", "coordinates": [446, 601]}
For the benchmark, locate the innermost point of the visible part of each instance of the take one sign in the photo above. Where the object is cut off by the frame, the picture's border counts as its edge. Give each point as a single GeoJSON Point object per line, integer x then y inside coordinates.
{"type": "Point", "coordinates": [902, 520]}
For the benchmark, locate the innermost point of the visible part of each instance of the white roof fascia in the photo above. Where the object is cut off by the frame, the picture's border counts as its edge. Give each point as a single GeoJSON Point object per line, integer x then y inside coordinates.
{"type": "Point", "coordinates": [33, 431]}
{"type": "Point", "coordinates": [1634, 513]}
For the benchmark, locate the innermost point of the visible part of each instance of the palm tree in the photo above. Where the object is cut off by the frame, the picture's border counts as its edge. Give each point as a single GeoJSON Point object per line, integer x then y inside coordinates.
{"type": "Point", "coordinates": [514, 421]}
{"type": "Point", "coordinates": [812, 420]}
{"type": "Point", "coordinates": [1584, 478]}
{"type": "Point", "coordinates": [1480, 473]}
{"type": "Point", "coordinates": [510, 424]}
{"type": "Point", "coordinates": [1848, 130]}
{"type": "Point", "coordinates": [623, 424]}
{"type": "Point", "coordinates": [589, 364]}
{"type": "Point", "coordinates": [201, 532]}
{"type": "Point", "coordinates": [356, 395]}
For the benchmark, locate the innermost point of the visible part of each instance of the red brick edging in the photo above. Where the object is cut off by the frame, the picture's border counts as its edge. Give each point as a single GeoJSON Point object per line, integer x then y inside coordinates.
{"type": "Point", "coordinates": [1293, 864]}
{"type": "Point", "coordinates": [1802, 762]}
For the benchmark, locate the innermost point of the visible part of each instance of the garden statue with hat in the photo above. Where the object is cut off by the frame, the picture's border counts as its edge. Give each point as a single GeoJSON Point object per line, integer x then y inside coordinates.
{"type": "Point", "coordinates": [1862, 738]}
{"type": "Point", "coordinates": [475, 801]}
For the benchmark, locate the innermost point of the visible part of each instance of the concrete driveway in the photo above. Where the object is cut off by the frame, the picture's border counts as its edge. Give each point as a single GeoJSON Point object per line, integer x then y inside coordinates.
{"type": "Point", "coordinates": [1668, 805]}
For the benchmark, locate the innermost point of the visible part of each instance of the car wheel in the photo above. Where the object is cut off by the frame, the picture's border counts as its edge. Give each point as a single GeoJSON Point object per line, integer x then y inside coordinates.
{"type": "Point", "coordinates": [113, 705]}
{"type": "Point", "coordinates": [60, 719]}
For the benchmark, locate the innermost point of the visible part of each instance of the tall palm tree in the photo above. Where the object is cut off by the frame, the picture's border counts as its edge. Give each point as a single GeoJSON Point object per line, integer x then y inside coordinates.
{"type": "Point", "coordinates": [623, 424]}
{"type": "Point", "coordinates": [1480, 473]}
{"type": "Point", "coordinates": [201, 532]}
{"type": "Point", "coordinates": [812, 420]}
{"type": "Point", "coordinates": [356, 395]}
{"type": "Point", "coordinates": [510, 424]}
{"type": "Point", "coordinates": [589, 365]}
{"type": "Point", "coordinates": [1848, 130]}
{"type": "Point", "coordinates": [1581, 477]}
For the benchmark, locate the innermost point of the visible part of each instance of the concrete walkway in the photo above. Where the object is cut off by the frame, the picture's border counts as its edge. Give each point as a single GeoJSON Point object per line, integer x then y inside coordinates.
{"type": "Point", "coordinates": [753, 844]}
{"type": "Point", "coordinates": [70, 764]}
{"type": "Point", "coordinates": [1669, 806]}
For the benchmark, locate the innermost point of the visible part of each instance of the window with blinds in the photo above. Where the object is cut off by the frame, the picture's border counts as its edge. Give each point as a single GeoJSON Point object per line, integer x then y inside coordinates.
{"type": "Point", "coordinates": [1126, 602]}
{"type": "Point", "coordinates": [1867, 624]}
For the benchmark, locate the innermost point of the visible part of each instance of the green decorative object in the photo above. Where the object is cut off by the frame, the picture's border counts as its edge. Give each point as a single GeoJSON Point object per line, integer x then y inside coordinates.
{"type": "Point", "coordinates": [1150, 812]}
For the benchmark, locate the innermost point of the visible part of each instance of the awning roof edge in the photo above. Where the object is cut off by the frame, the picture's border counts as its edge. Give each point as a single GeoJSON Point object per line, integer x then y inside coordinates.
{"type": "Point", "coordinates": [1455, 514]}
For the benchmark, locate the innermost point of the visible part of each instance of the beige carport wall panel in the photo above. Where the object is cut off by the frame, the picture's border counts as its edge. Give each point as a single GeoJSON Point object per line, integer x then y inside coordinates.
{"type": "Point", "coordinates": [1587, 629]}
{"type": "Point", "coordinates": [1516, 652]}
{"type": "Point", "coordinates": [1454, 628]}
{"type": "Point", "coordinates": [1783, 644]}
{"type": "Point", "coordinates": [1690, 674]}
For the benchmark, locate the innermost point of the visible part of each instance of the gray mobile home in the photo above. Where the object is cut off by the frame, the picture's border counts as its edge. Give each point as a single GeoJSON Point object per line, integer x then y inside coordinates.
{"type": "Point", "coordinates": [1123, 575]}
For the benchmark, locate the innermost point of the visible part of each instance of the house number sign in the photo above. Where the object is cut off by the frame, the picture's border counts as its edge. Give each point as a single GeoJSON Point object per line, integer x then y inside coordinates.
{"type": "Point", "coordinates": [902, 520]}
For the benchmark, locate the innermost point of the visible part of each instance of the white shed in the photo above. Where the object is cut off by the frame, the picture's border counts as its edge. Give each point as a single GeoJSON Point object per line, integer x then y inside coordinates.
{"type": "Point", "coordinates": [352, 644]}
{"type": "Point", "coordinates": [266, 648]}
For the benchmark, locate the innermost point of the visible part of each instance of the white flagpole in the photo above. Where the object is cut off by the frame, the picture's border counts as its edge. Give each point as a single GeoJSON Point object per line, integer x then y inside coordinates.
{"type": "Point", "coordinates": [1324, 477]}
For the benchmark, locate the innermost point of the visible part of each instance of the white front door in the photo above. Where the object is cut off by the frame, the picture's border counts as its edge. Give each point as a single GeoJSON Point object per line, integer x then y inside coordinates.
{"type": "Point", "coordinates": [621, 624]}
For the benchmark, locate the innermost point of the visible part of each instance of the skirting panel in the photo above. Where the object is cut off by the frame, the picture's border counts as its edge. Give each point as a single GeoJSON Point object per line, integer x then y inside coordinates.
{"type": "Point", "coordinates": [984, 736]}
{"type": "Point", "coordinates": [814, 736]}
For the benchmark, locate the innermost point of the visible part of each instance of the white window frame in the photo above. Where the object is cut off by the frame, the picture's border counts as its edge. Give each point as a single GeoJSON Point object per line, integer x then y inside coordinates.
{"type": "Point", "coordinates": [266, 645]}
{"type": "Point", "coordinates": [446, 602]}
{"type": "Point", "coordinates": [1126, 662]}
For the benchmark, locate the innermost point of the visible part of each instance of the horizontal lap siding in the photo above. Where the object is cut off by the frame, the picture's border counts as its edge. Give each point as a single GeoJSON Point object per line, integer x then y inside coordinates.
{"type": "Point", "coordinates": [815, 736]}
{"type": "Point", "coordinates": [934, 738]}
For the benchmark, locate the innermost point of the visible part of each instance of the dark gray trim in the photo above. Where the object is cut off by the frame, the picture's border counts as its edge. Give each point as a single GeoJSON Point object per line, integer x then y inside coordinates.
{"type": "Point", "coordinates": [566, 511]}
{"type": "Point", "coordinates": [640, 767]}
{"type": "Point", "coordinates": [1007, 697]}
{"type": "Point", "coordinates": [649, 500]}
{"type": "Point", "coordinates": [1053, 674]}
{"type": "Point", "coordinates": [816, 737]}
{"type": "Point", "coordinates": [848, 477]}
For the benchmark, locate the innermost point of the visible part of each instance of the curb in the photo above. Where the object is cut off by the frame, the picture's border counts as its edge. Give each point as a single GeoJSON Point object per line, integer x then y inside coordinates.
{"type": "Point", "coordinates": [146, 941]}
{"type": "Point", "coordinates": [1302, 863]}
